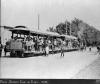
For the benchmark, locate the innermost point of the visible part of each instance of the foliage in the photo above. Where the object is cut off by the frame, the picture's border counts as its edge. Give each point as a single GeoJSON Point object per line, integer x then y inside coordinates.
{"type": "Point", "coordinates": [87, 33]}
{"type": "Point", "coordinates": [51, 29]}
{"type": "Point", "coordinates": [83, 31]}
{"type": "Point", "coordinates": [61, 28]}
{"type": "Point", "coordinates": [80, 29]}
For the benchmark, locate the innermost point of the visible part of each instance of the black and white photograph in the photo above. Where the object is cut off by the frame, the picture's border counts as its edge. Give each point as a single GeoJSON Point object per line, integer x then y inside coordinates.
{"type": "Point", "coordinates": [50, 39]}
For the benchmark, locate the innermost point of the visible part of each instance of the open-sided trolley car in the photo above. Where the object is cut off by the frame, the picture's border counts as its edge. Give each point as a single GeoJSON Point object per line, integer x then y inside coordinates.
{"type": "Point", "coordinates": [25, 42]}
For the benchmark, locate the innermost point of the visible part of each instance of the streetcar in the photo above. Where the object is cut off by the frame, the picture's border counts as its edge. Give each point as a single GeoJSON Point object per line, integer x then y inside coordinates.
{"type": "Point", "coordinates": [25, 42]}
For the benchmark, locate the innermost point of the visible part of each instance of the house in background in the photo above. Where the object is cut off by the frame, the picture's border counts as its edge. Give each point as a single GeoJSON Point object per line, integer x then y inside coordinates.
{"type": "Point", "coordinates": [5, 34]}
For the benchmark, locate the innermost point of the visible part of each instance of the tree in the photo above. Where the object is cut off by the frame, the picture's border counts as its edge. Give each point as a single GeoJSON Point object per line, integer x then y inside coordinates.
{"type": "Point", "coordinates": [51, 29]}
{"type": "Point", "coordinates": [75, 26]}
{"type": "Point", "coordinates": [61, 28]}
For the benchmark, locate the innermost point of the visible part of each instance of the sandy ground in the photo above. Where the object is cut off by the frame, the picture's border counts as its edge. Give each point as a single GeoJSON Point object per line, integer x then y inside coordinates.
{"type": "Point", "coordinates": [52, 66]}
{"type": "Point", "coordinates": [90, 72]}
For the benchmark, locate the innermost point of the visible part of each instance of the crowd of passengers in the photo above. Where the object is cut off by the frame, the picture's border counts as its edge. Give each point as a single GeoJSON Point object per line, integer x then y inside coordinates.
{"type": "Point", "coordinates": [40, 43]}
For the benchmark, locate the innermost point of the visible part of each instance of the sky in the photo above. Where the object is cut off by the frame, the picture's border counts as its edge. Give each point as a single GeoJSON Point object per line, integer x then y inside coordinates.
{"type": "Point", "coordinates": [51, 12]}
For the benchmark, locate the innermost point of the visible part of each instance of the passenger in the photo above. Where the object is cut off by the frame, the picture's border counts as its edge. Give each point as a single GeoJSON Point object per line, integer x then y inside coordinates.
{"type": "Point", "coordinates": [1, 49]}
{"type": "Point", "coordinates": [55, 43]}
{"type": "Point", "coordinates": [90, 48]}
{"type": "Point", "coordinates": [33, 43]}
{"type": "Point", "coordinates": [62, 48]}
{"type": "Point", "coordinates": [84, 47]}
{"type": "Point", "coordinates": [37, 44]}
{"type": "Point", "coordinates": [47, 50]}
{"type": "Point", "coordinates": [98, 49]}
{"type": "Point", "coordinates": [43, 48]}
{"type": "Point", "coordinates": [5, 49]}
{"type": "Point", "coordinates": [41, 45]}
{"type": "Point", "coordinates": [49, 41]}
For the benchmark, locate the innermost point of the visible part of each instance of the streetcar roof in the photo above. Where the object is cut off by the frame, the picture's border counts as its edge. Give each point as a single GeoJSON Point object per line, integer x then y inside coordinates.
{"type": "Point", "coordinates": [69, 37]}
{"type": "Point", "coordinates": [20, 30]}
{"type": "Point", "coordinates": [35, 32]}
{"type": "Point", "coordinates": [47, 33]}
{"type": "Point", "coordinates": [39, 32]}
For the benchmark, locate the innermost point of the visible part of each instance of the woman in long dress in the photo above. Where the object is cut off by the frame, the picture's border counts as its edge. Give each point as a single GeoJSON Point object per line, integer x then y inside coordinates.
{"type": "Point", "coordinates": [47, 50]}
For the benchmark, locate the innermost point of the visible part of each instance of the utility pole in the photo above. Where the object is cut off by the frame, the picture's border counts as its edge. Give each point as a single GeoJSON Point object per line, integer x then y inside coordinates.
{"type": "Point", "coordinates": [66, 27]}
{"type": "Point", "coordinates": [38, 21]}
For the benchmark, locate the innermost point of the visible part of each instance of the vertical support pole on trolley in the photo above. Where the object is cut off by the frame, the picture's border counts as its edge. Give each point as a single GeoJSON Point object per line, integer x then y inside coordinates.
{"type": "Point", "coordinates": [70, 35]}
{"type": "Point", "coordinates": [12, 35]}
